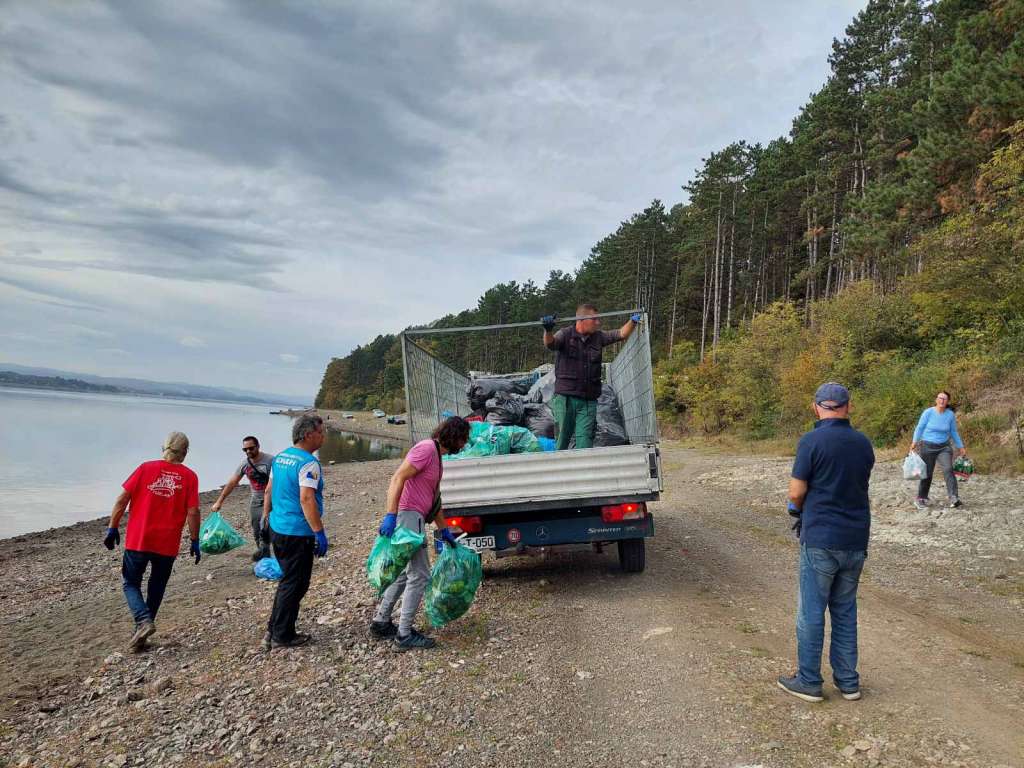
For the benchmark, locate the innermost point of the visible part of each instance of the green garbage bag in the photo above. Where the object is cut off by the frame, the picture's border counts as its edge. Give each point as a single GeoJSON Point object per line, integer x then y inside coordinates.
{"type": "Point", "coordinates": [494, 440]}
{"type": "Point", "coordinates": [389, 557]}
{"type": "Point", "coordinates": [216, 536]}
{"type": "Point", "coordinates": [453, 584]}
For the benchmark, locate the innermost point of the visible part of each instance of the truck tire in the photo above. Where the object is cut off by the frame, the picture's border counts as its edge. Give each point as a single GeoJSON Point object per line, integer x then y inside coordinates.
{"type": "Point", "coordinates": [631, 555]}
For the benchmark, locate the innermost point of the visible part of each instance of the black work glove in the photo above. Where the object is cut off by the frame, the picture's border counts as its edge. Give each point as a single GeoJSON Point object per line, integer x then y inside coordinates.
{"type": "Point", "coordinates": [112, 539]}
{"type": "Point", "coordinates": [548, 321]}
{"type": "Point", "coordinates": [797, 515]}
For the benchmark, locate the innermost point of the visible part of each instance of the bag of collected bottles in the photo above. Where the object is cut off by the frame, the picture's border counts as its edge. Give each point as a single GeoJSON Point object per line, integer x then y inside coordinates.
{"type": "Point", "coordinates": [963, 468]}
{"type": "Point", "coordinates": [390, 555]}
{"type": "Point", "coordinates": [914, 467]}
{"type": "Point", "coordinates": [453, 583]}
{"type": "Point", "coordinates": [269, 569]}
{"type": "Point", "coordinates": [216, 536]}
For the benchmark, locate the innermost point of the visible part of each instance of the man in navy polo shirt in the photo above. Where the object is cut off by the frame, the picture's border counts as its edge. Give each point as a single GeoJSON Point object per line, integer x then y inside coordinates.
{"type": "Point", "coordinates": [828, 497]}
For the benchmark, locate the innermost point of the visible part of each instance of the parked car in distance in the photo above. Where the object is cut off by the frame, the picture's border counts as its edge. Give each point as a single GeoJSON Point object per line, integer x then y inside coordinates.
{"type": "Point", "coordinates": [396, 419]}
{"type": "Point", "coordinates": [379, 413]}
{"type": "Point", "coordinates": [347, 415]}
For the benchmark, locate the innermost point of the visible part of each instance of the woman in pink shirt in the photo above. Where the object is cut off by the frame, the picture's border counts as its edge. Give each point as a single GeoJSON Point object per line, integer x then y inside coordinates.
{"type": "Point", "coordinates": [414, 499]}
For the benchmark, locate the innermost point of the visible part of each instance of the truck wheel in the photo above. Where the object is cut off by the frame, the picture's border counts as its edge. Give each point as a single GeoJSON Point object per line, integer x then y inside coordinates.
{"type": "Point", "coordinates": [631, 555]}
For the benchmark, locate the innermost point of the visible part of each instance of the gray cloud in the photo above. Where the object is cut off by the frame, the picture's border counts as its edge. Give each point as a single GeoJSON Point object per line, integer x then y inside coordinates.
{"type": "Point", "coordinates": [344, 166]}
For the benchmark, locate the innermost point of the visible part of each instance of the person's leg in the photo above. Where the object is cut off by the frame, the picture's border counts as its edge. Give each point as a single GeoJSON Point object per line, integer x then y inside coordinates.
{"type": "Point", "coordinates": [817, 571]}
{"type": "Point", "coordinates": [388, 601]}
{"type": "Point", "coordinates": [159, 573]}
{"type": "Point", "coordinates": [304, 572]}
{"type": "Point", "coordinates": [561, 407]}
{"type": "Point", "coordinates": [924, 486]}
{"type": "Point", "coordinates": [586, 422]}
{"type": "Point", "coordinates": [133, 567]}
{"type": "Point", "coordinates": [418, 572]}
{"type": "Point", "coordinates": [289, 557]}
{"type": "Point", "coordinates": [944, 460]}
{"type": "Point", "coordinates": [842, 608]}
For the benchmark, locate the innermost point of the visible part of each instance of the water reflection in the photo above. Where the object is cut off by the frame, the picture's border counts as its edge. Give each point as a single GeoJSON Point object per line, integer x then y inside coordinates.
{"type": "Point", "coordinates": [346, 446]}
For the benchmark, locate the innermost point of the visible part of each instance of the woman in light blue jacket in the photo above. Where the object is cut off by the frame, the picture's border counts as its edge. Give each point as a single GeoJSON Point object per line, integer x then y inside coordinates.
{"type": "Point", "coordinates": [935, 429]}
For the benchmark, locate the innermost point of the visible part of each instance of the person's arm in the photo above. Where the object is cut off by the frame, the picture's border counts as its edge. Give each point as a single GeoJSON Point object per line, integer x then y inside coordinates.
{"type": "Point", "coordinates": [229, 486]}
{"type": "Point", "coordinates": [797, 492]}
{"type": "Point", "coordinates": [120, 505]}
{"type": "Point", "coordinates": [310, 510]}
{"type": "Point", "coordinates": [919, 429]}
{"type": "Point", "coordinates": [961, 448]}
{"type": "Point", "coordinates": [267, 501]}
{"type": "Point", "coordinates": [403, 474]}
{"type": "Point", "coordinates": [192, 518]}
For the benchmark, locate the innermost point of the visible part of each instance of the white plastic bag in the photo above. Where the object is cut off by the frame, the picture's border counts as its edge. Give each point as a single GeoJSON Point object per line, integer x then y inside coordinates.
{"type": "Point", "coordinates": [914, 467]}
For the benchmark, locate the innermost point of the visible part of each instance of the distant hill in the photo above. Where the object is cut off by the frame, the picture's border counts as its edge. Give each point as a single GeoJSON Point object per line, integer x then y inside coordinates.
{"type": "Point", "coordinates": [9, 378]}
{"type": "Point", "coordinates": [76, 382]}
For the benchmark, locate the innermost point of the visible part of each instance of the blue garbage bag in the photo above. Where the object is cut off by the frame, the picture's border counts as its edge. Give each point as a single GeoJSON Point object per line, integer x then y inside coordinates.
{"type": "Point", "coordinates": [268, 568]}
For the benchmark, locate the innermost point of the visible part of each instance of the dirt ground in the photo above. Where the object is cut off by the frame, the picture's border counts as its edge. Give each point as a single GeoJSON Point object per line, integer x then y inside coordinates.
{"type": "Point", "coordinates": [562, 659]}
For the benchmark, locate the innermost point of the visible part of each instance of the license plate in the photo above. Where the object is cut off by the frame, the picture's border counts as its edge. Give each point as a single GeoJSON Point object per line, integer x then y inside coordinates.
{"type": "Point", "coordinates": [478, 543]}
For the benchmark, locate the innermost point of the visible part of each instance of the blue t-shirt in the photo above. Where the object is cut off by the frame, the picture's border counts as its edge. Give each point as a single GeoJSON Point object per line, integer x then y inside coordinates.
{"type": "Point", "coordinates": [294, 469]}
{"type": "Point", "coordinates": [835, 460]}
{"type": "Point", "coordinates": [935, 427]}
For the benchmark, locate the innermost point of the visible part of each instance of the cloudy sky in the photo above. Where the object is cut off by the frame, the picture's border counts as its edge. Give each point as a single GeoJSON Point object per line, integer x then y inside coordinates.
{"type": "Point", "coordinates": [231, 193]}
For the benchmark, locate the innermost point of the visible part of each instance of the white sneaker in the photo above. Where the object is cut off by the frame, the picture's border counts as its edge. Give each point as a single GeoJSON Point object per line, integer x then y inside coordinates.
{"type": "Point", "coordinates": [921, 504]}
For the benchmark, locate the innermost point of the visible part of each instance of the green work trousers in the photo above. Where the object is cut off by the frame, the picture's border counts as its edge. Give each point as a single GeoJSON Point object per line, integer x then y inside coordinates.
{"type": "Point", "coordinates": [575, 417]}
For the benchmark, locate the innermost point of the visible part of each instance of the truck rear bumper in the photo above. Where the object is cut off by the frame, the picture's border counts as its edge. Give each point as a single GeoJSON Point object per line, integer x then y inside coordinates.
{"type": "Point", "coordinates": [576, 530]}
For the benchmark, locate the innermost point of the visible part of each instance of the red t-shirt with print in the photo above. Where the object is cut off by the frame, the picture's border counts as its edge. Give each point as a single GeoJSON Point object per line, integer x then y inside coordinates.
{"type": "Point", "coordinates": [162, 493]}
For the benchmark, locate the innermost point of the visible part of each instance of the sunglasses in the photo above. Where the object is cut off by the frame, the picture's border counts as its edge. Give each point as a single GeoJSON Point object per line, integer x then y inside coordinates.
{"type": "Point", "coordinates": [249, 448]}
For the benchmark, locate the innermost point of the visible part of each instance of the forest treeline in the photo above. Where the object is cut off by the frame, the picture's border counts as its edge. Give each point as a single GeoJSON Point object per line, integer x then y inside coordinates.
{"type": "Point", "coordinates": [879, 243]}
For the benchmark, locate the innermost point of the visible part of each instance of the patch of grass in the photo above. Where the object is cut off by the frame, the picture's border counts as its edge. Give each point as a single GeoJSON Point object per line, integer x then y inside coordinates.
{"type": "Point", "coordinates": [747, 628]}
{"type": "Point", "coordinates": [967, 620]}
{"type": "Point", "coordinates": [759, 653]}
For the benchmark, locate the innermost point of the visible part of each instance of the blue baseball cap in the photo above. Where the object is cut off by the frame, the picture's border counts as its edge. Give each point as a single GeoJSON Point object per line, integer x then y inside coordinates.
{"type": "Point", "coordinates": [832, 392]}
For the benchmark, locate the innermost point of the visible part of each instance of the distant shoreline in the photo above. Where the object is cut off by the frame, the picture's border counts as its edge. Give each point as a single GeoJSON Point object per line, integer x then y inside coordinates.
{"type": "Point", "coordinates": [5, 385]}
{"type": "Point", "coordinates": [362, 423]}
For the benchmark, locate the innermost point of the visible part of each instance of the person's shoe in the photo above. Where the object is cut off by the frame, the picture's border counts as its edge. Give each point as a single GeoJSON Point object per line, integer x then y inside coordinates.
{"type": "Point", "coordinates": [414, 640]}
{"type": "Point", "coordinates": [142, 631]}
{"type": "Point", "coordinates": [257, 555]}
{"type": "Point", "coordinates": [265, 643]}
{"type": "Point", "coordinates": [803, 692]}
{"type": "Point", "coordinates": [383, 629]}
{"type": "Point", "coordinates": [850, 695]}
{"type": "Point", "coordinates": [921, 504]}
{"type": "Point", "coordinates": [955, 502]}
{"type": "Point", "coordinates": [300, 639]}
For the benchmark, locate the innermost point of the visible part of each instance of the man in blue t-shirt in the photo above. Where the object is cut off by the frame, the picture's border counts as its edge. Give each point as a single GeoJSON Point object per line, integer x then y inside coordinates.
{"type": "Point", "coordinates": [294, 500]}
{"type": "Point", "coordinates": [828, 497]}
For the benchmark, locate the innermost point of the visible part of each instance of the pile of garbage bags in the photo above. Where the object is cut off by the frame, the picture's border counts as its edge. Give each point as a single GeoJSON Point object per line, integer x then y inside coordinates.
{"type": "Point", "coordinates": [495, 440]}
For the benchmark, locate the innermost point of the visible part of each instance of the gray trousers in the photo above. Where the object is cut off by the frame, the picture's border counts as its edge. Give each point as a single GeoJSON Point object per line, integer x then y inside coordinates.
{"type": "Point", "coordinates": [412, 582]}
{"type": "Point", "coordinates": [255, 517]}
{"type": "Point", "coordinates": [937, 454]}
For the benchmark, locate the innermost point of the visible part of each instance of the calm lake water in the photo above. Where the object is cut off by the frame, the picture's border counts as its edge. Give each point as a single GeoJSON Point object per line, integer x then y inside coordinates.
{"type": "Point", "coordinates": [64, 455]}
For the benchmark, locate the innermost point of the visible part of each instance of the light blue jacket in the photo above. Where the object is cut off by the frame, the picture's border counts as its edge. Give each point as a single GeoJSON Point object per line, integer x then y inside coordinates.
{"type": "Point", "coordinates": [935, 427]}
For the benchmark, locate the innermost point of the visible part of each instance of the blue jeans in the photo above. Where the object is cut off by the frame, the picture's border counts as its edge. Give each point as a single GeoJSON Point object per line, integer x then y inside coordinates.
{"type": "Point", "coordinates": [133, 567]}
{"type": "Point", "coordinates": [828, 579]}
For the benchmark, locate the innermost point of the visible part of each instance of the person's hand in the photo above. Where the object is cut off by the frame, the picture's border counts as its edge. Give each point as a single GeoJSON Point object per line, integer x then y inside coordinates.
{"type": "Point", "coordinates": [448, 537]}
{"type": "Point", "coordinates": [961, 452]}
{"type": "Point", "coordinates": [195, 552]}
{"type": "Point", "coordinates": [635, 317]}
{"type": "Point", "coordinates": [215, 507]}
{"type": "Point", "coordinates": [264, 532]}
{"type": "Point", "coordinates": [388, 524]}
{"type": "Point", "coordinates": [321, 543]}
{"type": "Point", "coordinates": [797, 514]}
{"type": "Point", "coordinates": [112, 539]}
{"type": "Point", "coordinates": [797, 526]}
{"type": "Point", "coordinates": [913, 446]}
{"type": "Point", "coordinates": [548, 321]}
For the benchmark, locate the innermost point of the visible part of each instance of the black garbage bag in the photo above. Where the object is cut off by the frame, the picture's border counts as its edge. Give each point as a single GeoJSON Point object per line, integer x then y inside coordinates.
{"type": "Point", "coordinates": [505, 409]}
{"type": "Point", "coordinates": [482, 390]}
{"type": "Point", "coordinates": [542, 390]}
{"type": "Point", "coordinates": [537, 418]}
{"type": "Point", "coordinates": [611, 428]}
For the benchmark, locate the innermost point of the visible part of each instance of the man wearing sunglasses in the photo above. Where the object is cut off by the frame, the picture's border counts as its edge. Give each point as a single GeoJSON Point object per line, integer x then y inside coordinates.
{"type": "Point", "coordinates": [256, 468]}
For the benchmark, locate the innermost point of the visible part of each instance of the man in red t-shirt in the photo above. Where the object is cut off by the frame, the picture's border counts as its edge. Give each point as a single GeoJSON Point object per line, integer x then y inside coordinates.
{"type": "Point", "coordinates": [160, 497]}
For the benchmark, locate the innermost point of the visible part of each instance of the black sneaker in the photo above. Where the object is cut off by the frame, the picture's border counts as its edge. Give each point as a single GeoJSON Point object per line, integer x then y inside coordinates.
{"type": "Point", "coordinates": [414, 640]}
{"type": "Point", "coordinates": [142, 631]}
{"type": "Point", "coordinates": [804, 692]}
{"type": "Point", "coordinates": [258, 555]}
{"type": "Point", "coordinates": [301, 638]}
{"type": "Point", "coordinates": [383, 629]}
{"type": "Point", "coordinates": [955, 502]}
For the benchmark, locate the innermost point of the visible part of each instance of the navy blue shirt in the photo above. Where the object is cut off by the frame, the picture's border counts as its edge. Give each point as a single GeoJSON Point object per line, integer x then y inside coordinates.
{"type": "Point", "coordinates": [835, 460]}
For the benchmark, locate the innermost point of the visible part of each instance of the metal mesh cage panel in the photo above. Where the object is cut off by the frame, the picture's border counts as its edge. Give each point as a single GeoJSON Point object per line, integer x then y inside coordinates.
{"type": "Point", "coordinates": [431, 388]}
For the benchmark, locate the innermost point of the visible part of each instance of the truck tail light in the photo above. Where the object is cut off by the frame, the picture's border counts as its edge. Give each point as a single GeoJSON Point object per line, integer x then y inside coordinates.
{"type": "Point", "coordinates": [620, 512]}
{"type": "Point", "coordinates": [470, 524]}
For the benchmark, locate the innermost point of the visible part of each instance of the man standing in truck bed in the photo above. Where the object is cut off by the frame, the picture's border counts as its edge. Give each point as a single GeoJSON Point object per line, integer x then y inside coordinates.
{"type": "Point", "coordinates": [578, 372]}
